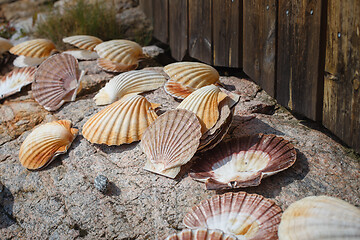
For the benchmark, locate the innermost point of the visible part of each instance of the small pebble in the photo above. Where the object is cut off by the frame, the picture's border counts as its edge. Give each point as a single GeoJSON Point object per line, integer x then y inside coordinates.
{"type": "Point", "coordinates": [101, 183]}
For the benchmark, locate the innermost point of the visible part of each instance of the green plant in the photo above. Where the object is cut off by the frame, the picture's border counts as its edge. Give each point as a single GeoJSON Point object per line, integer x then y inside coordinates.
{"type": "Point", "coordinates": [6, 30]}
{"type": "Point", "coordinates": [80, 17]}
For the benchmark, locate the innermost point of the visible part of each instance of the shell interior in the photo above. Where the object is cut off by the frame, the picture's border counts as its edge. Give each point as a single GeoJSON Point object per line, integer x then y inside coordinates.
{"type": "Point", "coordinates": [178, 90]}
{"type": "Point", "coordinates": [247, 216]}
{"type": "Point", "coordinates": [132, 82]}
{"type": "Point", "coordinates": [84, 42]}
{"type": "Point", "coordinates": [320, 218]}
{"type": "Point", "coordinates": [82, 54]}
{"type": "Point", "coordinates": [116, 67]}
{"type": "Point", "coordinates": [244, 161]}
{"type": "Point", "coordinates": [57, 81]}
{"type": "Point", "coordinates": [13, 81]}
{"type": "Point", "coordinates": [171, 141]}
{"type": "Point", "coordinates": [22, 61]}
{"type": "Point", "coordinates": [5, 45]}
{"type": "Point", "coordinates": [46, 142]}
{"type": "Point", "coordinates": [37, 48]}
{"type": "Point", "coordinates": [201, 234]}
{"type": "Point", "coordinates": [124, 121]}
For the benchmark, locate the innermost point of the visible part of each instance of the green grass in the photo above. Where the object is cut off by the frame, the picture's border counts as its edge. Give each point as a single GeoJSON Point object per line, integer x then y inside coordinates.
{"type": "Point", "coordinates": [80, 18]}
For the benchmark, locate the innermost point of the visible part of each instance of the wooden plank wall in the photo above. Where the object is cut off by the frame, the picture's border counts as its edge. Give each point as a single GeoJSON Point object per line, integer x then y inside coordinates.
{"type": "Point", "coordinates": [342, 66]}
{"type": "Point", "coordinates": [284, 46]}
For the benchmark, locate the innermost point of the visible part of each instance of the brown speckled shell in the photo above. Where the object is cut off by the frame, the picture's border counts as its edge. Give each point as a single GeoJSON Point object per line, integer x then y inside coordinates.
{"type": "Point", "coordinates": [201, 234]}
{"type": "Point", "coordinates": [13, 81]}
{"type": "Point", "coordinates": [171, 141]}
{"type": "Point", "coordinates": [56, 81]}
{"type": "Point", "coordinates": [45, 142]}
{"type": "Point", "coordinates": [244, 161]}
{"type": "Point", "coordinates": [248, 216]}
{"type": "Point", "coordinates": [37, 48]}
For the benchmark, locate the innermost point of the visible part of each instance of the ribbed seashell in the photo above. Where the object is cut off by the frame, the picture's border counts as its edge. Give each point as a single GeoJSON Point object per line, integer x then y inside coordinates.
{"type": "Point", "coordinates": [204, 103]}
{"type": "Point", "coordinates": [115, 67]}
{"type": "Point", "coordinates": [244, 161]}
{"type": "Point", "coordinates": [247, 216]}
{"type": "Point", "coordinates": [171, 141]}
{"type": "Point", "coordinates": [81, 54]}
{"type": "Point", "coordinates": [85, 42]}
{"type": "Point", "coordinates": [320, 218]}
{"type": "Point", "coordinates": [22, 61]}
{"type": "Point", "coordinates": [186, 77]}
{"type": "Point", "coordinates": [56, 81]}
{"type": "Point", "coordinates": [46, 142]}
{"type": "Point", "coordinates": [37, 48]}
{"type": "Point", "coordinates": [5, 45]}
{"type": "Point", "coordinates": [120, 51]}
{"type": "Point", "coordinates": [13, 81]}
{"type": "Point", "coordinates": [123, 121]}
{"type": "Point", "coordinates": [201, 234]}
{"type": "Point", "coordinates": [137, 81]}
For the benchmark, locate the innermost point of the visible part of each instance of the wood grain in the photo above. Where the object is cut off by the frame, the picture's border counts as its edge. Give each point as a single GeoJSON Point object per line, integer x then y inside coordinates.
{"type": "Point", "coordinates": [227, 33]}
{"type": "Point", "coordinates": [259, 50]}
{"type": "Point", "coordinates": [200, 30]}
{"type": "Point", "coordinates": [161, 20]}
{"type": "Point", "coordinates": [147, 7]}
{"type": "Point", "coordinates": [178, 28]}
{"type": "Point", "coordinates": [341, 112]}
{"type": "Point", "coordinates": [298, 57]}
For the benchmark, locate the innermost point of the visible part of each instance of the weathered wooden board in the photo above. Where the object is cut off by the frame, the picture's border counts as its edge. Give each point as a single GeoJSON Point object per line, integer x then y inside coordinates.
{"type": "Point", "coordinates": [341, 112]}
{"type": "Point", "coordinates": [259, 49]}
{"type": "Point", "coordinates": [227, 33]}
{"type": "Point", "coordinates": [200, 30]}
{"type": "Point", "coordinates": [161, 20]}
{"type": "Point", "coordinates": [299, 78]}
{"type": "Point", "coordinates": [147, 7]}
{"type": "Point", "coordinates": [178, 28]}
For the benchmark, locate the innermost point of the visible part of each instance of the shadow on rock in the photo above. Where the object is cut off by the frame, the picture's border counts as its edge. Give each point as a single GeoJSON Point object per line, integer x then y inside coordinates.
{"type": "Point", "coordinates": [6, 207]}
{"type": "Point", "coordinates": [250, 125]}
{"type": "Point", "coordinates": [112, 190]}
{"type": "Point", "coordinates": [271, 186]}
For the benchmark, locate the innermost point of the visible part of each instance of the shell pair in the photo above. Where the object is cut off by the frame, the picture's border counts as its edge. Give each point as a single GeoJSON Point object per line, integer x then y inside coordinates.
{"type": "Point", "coordinates": [33, 52]}
{"type": "Point", "coordinates": [85, 45]}
{"type": "Point", "coordinates": [46, 142]}
{"type": "Point", "coordinates": [186, 77]}
{"type": "Point", "coordinates": [57, 80]}
{"type": "Point", "coordinates": [118, 55]}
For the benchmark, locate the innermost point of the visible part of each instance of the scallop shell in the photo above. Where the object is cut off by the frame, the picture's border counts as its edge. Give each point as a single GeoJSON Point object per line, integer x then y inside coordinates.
{"type": "Point", "coordinates": [81, 54]}
{"type": "Point", "coordinates": [171, 141]}
{"type": "Point", "coordinates": [186, 77]}
{"type": "Point", "coordinates": [5, 45]}
{"type": "Point", "coordinates": [244, 161]}
{"type": "Point", "coordinates": [22, 61]}
{"type": "Point", "coordinates": [128, 83]}
{"type": "Point", "coordinates": [320, 218]}
{"type": "Point", "coordinates": [37, 48]}
{"type": "Point", "coordinates": [56, 81]}
{"type": "Point", "coordinates": [85, 42]}
{"type": "Point", "coordinates": [120, 51]}
{"type": "Point", "coordinates": [247, 216]}
{"type": "Point", "coordinates": [204, 103]}
{"type": "Point", "coordinates": [123, 121]}
{"type": "Point", "coordinates": [201, 234]}
{"type": "Point", "coordinates": [115, 67]}
{"type": "Point", "coordinates": [46, 142]}
{"type": "Point", "coordinates": [13, 81]}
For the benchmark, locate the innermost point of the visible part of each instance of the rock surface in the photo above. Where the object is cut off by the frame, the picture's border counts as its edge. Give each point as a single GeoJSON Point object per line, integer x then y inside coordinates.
{"type": "Point", "coordinates": [61, 202]}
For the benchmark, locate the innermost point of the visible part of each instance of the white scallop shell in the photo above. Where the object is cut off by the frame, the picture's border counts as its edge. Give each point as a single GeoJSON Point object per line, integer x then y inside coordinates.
{"type": "Point", "coordinates": [123, 121]}
{"type": "Point", "coordinates": [84, 42]}
{"type": "Point", "coordinates": [201, 234]}
{"type": "Point", "coordinates": [204, 102]}
{"type": "Point", "coordinates": [46, 142]}
{"type": "Point", "coordinates": [37, 48]}
{"type": "Point", "coordinates": [22, 61]}
{"type": "Point", "coordinates": [137, 81]}
{"type": "Point", "coordinates": [186, 77]}
{"type": "Point", "coordinates": [5, 45]}
{"type": "Point", "coordinates": [120, 51]}
{"type": "Point", "coordinates": [171, 141]}
{"type": "Point", "coordinates": [247, 216]}
{"type": "Point", "coordinates": [13, 81]}
{"type": "Point", "coordinates": [320, 218]}
{"type": "Point", "coordinates": [56, 81]}
{"type": "Point", "coordinates": [81, 54]}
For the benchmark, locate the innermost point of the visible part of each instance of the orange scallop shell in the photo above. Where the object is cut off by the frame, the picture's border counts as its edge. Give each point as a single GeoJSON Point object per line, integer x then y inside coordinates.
{"type": "Point", "coordinates": [37, 48]}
